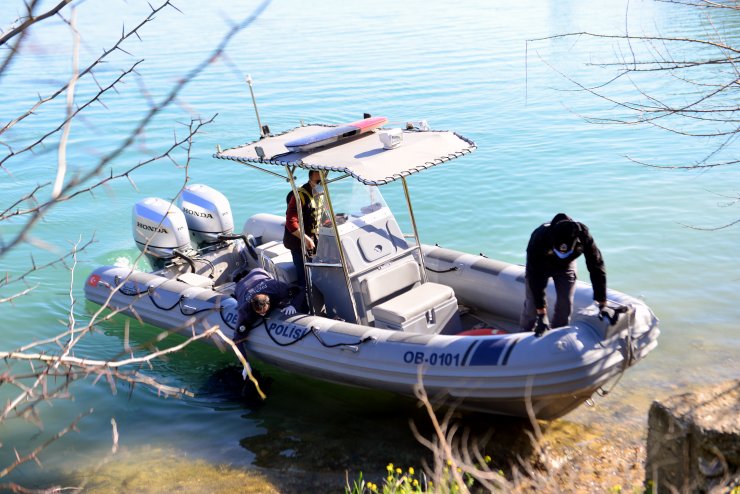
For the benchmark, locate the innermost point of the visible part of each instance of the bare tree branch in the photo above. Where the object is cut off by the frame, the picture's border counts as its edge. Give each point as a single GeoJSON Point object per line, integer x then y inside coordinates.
{"type": "Point", "coordinates": [44, 370]}
{"type": "Point", "coordinates": [710, 102]}
{"type": "Point", "coordinates": [704, 105]}
{"type": "Point", "coordinates": [116, 47]}
{"type": "Point", "coordinates": [15, 49]}
{"type": "Point", "coordinates": [33, 455]}
{"type": "Point", "coordinates": [31, 196]}
{"type": "Point", "coordinates": [7, 280]}
{"type": "Point", "coordinates": [628, 37]}
{"type": "Point", "coordinates": [138, 129]}
{"type": "Point", "coordinates": [62, 147]}
{"type": "Point", "coordinates": [703, 3]}
{"type": "Point", "coordinates": [32, 19]}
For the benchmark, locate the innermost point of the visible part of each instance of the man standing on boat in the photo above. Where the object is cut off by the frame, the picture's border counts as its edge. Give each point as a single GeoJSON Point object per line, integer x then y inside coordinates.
{"type": "Point", "coordinates": [551, 253]}
{"type": "Point", "coordinates": [310, 194]}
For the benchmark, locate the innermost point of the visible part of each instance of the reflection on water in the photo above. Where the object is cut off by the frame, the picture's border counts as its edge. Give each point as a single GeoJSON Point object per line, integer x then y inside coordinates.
{"type": "Point", "coordinates": [306, 437]}
{"type": "Point", "coordinates": [306, 424]}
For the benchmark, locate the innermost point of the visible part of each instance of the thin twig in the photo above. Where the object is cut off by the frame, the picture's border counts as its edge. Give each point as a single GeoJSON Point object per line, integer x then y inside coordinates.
{"type": "Point", "coordinates": [32, 19]}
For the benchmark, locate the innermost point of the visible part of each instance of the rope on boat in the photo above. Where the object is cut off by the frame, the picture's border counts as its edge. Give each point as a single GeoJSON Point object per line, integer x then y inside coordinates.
{"type": "Point", "coordinates": [179, 302]}
{"type": "Point", "coordinates": [312, 330]}
{"type": "Point", "coordinates": [628, 358]}
{"type": "Point", "coordinates": [150, 291]}
{"type": "Point", "coordinates": [247, 374]}
{"type": "Point", "coordinates": [453, 268]}
{"type": "Point", "coordinates": [210, 265]}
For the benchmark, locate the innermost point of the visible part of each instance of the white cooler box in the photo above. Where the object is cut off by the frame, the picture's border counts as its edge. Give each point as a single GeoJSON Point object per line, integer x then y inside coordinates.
{"type": "Point", "coordinates": [430, 308]}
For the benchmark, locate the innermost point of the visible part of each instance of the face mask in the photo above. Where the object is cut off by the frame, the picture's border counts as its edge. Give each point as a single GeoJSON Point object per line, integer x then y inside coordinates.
{"type": "Point", "coordinates": [562, 255]}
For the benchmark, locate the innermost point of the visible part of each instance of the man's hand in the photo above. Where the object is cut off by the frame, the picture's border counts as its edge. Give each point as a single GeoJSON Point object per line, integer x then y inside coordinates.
{"type": "Point", "coordinates": [609, 314]}
{"type": "Point", "coordinates": [542, 325]}
{"type": "Point", "coordinates": [289, 310]}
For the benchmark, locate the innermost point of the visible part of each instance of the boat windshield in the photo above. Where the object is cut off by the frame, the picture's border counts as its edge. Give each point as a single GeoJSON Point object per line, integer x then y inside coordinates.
{"type": "Point", "coordinates": [369, 238]}
{"type": "Point", "coordinates": [354, 203]}
{"type": "Point", "coordinates": [366, 225]}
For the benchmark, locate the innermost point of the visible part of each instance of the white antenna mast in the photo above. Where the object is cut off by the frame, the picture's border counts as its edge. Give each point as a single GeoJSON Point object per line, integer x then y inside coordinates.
{"type": "Point", "coordinates": [263, 130]}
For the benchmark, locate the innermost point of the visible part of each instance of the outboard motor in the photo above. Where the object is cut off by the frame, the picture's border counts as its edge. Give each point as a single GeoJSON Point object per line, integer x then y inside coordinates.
{"type": "Point", "coordinates": [159, 229]}
{"type": "Point", "coordinates": [208, 214]}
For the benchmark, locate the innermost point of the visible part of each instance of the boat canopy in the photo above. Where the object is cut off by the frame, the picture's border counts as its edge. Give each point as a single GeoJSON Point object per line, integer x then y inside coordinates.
{"type": "Point", "coordinates": [362, 157]}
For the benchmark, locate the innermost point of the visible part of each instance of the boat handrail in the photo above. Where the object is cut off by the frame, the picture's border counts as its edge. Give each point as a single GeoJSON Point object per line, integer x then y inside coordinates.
{"type": "Point", "coordinates": [416, 230]}
{"type": "Point", "coordinates": [270, 172]}
{"type": "Point", "coordinates": [386, 260]}
{"type": "Point", "coordinates": [324, 265]}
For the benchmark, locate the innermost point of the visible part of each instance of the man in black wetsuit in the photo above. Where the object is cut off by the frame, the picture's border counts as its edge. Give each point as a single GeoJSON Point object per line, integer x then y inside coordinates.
{"type": "Point", "coordinates": [551, 253]}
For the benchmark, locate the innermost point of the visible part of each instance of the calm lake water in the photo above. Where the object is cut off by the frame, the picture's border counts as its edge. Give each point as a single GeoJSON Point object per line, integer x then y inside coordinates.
{"type": "Point", "coordinates": [462, 65]}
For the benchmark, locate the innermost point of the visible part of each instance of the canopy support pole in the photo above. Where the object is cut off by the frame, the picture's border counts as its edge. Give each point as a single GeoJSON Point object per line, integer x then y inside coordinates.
{"type": "Point", "coordinates": [416, 232]}
{"type": "Point", "coordinates": [342, 258]}
{"type": "Point", "coordinates": [299, 210]}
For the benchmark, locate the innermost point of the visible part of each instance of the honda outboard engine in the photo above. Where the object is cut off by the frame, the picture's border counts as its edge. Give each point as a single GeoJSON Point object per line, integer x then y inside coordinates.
{"type": "Point", "coordinates": [159, 229]}
{"type": "Point", "coordinates": [208, 214]}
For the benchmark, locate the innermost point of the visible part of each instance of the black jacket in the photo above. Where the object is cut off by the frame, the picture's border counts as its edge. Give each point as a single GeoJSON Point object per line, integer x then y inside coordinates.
{"type": "Point", "coordinates": [542, 262]}
{"type": "Point", "coordinates": [259, 281]}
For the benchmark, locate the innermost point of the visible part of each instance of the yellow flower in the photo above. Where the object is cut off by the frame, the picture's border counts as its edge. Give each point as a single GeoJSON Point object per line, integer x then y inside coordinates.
{"type": "Point", "coordinates": [487, 459]}
{"type": "Point", "coordinates": [389, 467]}
{"type": "Point", "coordinates": [415, 483]}
{"type": "Point", "coordinates": [399, 471]}
{"type": "Point", "coordinates": [411, 470]}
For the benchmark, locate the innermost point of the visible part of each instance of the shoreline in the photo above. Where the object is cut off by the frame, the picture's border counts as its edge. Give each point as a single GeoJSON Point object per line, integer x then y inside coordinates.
{"type": "Point", "coordinates": [572, 457]}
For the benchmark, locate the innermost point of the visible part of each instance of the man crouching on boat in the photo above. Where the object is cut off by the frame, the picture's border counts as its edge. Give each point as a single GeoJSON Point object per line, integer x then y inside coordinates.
{"type": "Point", "coordinates": [257, 294]}
{"type": "Point", "coordinates": [551, 253]}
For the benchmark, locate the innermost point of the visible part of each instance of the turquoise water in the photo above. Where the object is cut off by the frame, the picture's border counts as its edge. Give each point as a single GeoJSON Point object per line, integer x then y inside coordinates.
{"type": "Point", "coordinates": [464, 66]}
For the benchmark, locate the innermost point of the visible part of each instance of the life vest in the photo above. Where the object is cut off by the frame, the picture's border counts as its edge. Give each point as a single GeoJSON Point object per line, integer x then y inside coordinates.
{"type": "Point", "coordinates": [311, 210]}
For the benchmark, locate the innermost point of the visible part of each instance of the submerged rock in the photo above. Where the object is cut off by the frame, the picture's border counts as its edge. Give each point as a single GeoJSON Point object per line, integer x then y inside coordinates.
{"type": "Point", "coordinates": [694, 441]}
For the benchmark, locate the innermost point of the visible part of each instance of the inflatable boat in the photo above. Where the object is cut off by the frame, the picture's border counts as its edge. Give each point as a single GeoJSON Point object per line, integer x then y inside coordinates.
{"type": "Point", "coordinates": [384, 310]}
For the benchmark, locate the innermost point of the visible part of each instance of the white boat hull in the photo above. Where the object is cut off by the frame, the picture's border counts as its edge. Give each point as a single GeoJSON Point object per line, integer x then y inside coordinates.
{"type": "Point", "coordinates": [500, 374]}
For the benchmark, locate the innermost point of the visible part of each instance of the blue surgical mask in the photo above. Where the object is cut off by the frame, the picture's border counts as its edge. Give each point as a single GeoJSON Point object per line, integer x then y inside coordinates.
{"type": "Point", "coordinates": [562, 255]}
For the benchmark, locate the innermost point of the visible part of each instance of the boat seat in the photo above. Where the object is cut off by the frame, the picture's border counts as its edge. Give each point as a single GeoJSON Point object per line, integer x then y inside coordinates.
{"type": "Point", "coordinates": [383, 283]}
{"type": "Point", "coordinates": [430, 308]}
{"type": "Point", "coordinates": [277, 260]}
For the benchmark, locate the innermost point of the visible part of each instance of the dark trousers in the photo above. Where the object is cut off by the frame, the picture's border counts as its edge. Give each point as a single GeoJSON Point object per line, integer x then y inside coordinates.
{"type": "Point", "coordinates": [565, 289]}
{"type": "Point", "coordinates": [299, 266]}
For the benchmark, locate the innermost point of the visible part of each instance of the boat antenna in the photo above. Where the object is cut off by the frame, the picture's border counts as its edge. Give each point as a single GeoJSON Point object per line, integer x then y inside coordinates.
{"type": "Point", "coordinates": [264, 130]}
